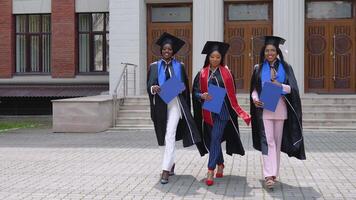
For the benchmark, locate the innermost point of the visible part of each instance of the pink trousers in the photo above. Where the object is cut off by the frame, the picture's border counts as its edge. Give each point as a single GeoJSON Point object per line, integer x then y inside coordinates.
{"type": "Point", "coordinates": [274, 132]}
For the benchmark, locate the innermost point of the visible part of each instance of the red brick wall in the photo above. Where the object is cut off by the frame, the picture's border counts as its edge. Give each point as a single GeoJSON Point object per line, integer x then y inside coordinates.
{"type": "Point", "coordinates": [63, 39]}
{"type": "Point", "coordinates": [6, 39]}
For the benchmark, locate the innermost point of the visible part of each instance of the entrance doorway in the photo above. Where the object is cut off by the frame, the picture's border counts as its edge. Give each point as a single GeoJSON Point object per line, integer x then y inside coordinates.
{"type": "Point", "coordinates": [330, 47]}
{"type": "Point", "coordinates": [175, 19]}
{"type": "Point", "coordinates": [245, 23]}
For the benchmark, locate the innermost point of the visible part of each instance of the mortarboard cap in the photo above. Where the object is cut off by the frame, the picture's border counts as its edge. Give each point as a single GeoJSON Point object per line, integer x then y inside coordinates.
{"type": "Point", "coordinates": [167, 38]}
{"type": "Point", "coordinates": [275, 40]}
{"type": "Point", "coordinates": [211, 46]}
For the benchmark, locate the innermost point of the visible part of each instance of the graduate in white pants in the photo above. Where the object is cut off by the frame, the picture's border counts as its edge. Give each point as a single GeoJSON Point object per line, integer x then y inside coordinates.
{"type": "Point", "coordinates": [172, 121]}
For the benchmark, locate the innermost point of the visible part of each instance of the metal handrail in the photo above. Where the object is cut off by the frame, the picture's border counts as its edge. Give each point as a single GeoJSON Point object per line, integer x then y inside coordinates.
{"type": "Point", "coordinates": [123, 76]}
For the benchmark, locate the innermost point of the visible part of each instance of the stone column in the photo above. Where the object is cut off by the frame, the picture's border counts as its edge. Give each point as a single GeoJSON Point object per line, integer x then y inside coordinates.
{"type": "Point", "coordinates": [288, 22]}
{"type": "Point", "coordinates": [128, 41]}
{"type": "Point", "coordinates": [208, 24]}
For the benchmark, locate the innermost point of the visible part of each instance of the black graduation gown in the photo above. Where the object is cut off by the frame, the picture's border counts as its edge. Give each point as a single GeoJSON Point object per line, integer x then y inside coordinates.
{"type": "Point", "coordinates": [231, 132]}
{"type": "Point", "coordinates": [186, 129]}
{"type": "Point", "coordinates": [292, 139]}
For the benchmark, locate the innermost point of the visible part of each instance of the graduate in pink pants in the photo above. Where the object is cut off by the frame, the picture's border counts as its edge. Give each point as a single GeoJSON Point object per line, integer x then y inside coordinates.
{"type": "Point", "coordinates": [281, 130]}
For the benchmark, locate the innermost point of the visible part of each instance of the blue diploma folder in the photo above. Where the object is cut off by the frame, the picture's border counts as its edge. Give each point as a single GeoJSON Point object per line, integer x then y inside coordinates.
{"type": "Point", "coordinates": [170, 89]}
{"type": "Point", "coordinates": [270, 95]}
{"type": "Point", "coordinates": [218, 95]}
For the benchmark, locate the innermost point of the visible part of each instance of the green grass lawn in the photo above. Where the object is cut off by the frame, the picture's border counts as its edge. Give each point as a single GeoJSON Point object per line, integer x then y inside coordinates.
{"type": "Point", "coordinates": [6, 125]}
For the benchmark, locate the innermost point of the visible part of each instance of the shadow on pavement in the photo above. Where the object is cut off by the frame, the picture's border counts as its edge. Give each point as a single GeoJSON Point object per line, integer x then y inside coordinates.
{"type": "Point", "coordinates": [180, 185]}
{"type": "Point", "coordinates": [189, 186]}
{"type": "Point", "coordinates": [285, 191]}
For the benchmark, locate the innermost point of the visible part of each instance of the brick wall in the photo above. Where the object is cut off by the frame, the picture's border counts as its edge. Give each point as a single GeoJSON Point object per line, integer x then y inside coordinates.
{"type": "Point", "coordinates": [6, 39]}
{"type": "Point", "coordinates": [63, 39]}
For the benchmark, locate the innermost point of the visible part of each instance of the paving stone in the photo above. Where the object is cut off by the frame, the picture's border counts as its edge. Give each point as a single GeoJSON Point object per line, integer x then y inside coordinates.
{"type": "Point", "coordinates": [39, 164]}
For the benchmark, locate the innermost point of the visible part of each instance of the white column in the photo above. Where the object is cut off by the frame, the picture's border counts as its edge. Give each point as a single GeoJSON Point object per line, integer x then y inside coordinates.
{"type": "Point", "coordinates": [128, 40]}
{"type": "Point", "coordinates": [208, 24]}
{"type": "Point", "coordinates": [288, 22]}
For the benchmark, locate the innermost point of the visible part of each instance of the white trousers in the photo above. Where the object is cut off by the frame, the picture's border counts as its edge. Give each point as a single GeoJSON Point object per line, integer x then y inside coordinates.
{"type": "Point", "coordinates": [173, 116]}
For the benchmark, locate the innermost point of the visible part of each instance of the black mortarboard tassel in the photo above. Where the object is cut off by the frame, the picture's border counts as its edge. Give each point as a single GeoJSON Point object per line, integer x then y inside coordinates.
{"type": "Point", "coordinates": [211, 46]}
{"type": "Point", "coordinates": [275, 40]}
{"type": "Point", "coordinates": [167, 38]}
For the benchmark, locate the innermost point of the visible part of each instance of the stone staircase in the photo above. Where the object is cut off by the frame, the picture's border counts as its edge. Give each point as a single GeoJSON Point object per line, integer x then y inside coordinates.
{"type": "Point", "coordinates": [320, 112]}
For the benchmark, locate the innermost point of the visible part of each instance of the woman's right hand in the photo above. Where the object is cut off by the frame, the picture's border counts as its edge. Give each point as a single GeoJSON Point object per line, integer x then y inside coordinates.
{"type": "Point", "coordinates": [156, 88]}
{"type": "Point", "coordinates": [258, 103]}
{"type": "Point", "coordinates": [206, 96]}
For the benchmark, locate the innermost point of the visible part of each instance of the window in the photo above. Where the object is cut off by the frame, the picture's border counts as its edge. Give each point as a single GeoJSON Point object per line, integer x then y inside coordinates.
{"type": "Point", "coordinates": [171, 14]}
{"type": "Point", "coordinates": [33, 43]}
{"type": "Point", "coordinates": [93, 29]}
{"type": "Point", "coordinates": [247, 12]}
{"type": "Point", "coordinates": [329, 10]}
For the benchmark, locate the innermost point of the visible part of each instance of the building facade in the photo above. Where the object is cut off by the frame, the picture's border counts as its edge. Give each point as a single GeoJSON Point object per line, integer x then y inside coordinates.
{"type": "Point", "coordinates": [56, 49]}
{"type": "Point", "coordinates": [320, 37]}
{"type": "Point", "coordinates": [51, 50]}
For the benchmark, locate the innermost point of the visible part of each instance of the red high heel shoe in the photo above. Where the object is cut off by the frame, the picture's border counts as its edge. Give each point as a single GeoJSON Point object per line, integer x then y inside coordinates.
{"type": "Point", "coordinates": [220, 172]}
{"type": "Point", "coordinates": [210, 178]}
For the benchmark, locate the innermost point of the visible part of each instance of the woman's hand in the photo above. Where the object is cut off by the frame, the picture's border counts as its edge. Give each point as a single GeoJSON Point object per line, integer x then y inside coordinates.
{"type": "Point", "coordinates": [258, 103]}
{"type": "Point", "coordinates": [156, 88]}
{"type": "Point", "coordinates": [206, 96]}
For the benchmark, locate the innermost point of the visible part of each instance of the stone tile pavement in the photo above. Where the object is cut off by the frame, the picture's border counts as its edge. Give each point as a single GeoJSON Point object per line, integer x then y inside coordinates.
{"type": "Point", "coordinates": [39, 164]}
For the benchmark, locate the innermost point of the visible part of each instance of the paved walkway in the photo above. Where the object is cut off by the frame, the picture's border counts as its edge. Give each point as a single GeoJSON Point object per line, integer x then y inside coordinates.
{"type": "Point", "coordinates": [38, 164]}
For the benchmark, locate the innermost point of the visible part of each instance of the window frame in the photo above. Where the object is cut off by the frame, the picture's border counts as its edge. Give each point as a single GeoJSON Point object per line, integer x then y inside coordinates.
{"type": "Point", "coordinates": [92, 34]}
{"type": "Point", "coordinates": [326, 19]}
{"type": "Point", "coordinates": [269, 10]}
{"type": "Point", "coordinates": [27, 51]}
{"type": "Point", "coordinates": [169, 5]}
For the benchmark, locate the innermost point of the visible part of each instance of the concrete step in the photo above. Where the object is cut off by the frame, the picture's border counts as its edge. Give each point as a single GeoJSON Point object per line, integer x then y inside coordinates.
{"type": "Point", "coordinates": [133, 128]}
{"type": "Point", "coordinates": [306, 99]}
{"type": "Point", "coordinates": [134, 107]}
{"type": "Point", "coordinates": [134, 113]}
{"type": "Point", "coordinates": [326, 114]}
{"type": "Point", "coordinates": [322, 124]}
{"type": "Point", "coordinates": [328, 107]}
{"type": "Point", "coordinates": [329, 122]}
{"type": "Point", "coordinates": [137, 114]}
{"type": "Point", "coordinates": [136, 99]}
{"type": "Point", "coordinates": [320, 113]}
{"type": "Point", "coordinates": [306, 105]}
{"type": "Point", "coordinates": [329, 129]}
{"type": "Point", "coordinates": [320, 99]}
{"type": "Point", "coordinates": [146, 103]}
{"type": "Point", "coordinates": [133, 121]}
{"type": "Point", "coordinates": [242, 128]}
{"type": "Point", "coordinates": [310, 111]}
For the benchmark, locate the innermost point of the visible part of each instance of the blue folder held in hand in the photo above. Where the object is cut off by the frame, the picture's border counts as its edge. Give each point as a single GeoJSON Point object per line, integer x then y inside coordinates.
{"type": "Point", "coordinates": [170, 89]}
{"type": "Point", "coordinates": [218, 95]}
{"type": "Point", "coordinates": [270, 95]}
